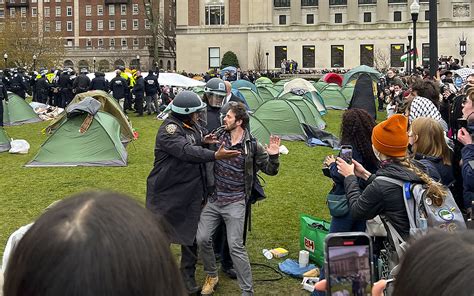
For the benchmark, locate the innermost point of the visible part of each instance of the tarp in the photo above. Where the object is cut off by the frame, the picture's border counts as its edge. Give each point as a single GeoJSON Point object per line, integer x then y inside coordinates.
{"type": "Point", "coordinates": [332, 78]}
{"type": "Point", "coordinates": [252, 98]}
{"type": "Point", "coordinates": [98, 145]}
{"type": "Point", "coordinates": [17, 111]}
{"type": "Point", "coordinates": [108, 104]}
{"type": "Point", "coordinates": [244, 83]}
{"type": "Point", "coordinates": [333, 97]}
{"type": "Point", "coordinates": [170, 79]}
{"type": "Point", "coordinates": [355, 72]}
{"type": "Point", "coordinates": [4, 140]}
{"type": "Point", "coordinates": [363, 97]}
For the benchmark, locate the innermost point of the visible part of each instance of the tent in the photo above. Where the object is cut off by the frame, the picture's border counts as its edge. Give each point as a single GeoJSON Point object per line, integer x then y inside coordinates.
{"type": "Point", "coordinates": [355, 72]}
{"type": "Point", "coordinates": [282, 118]}
{"type": "Point", "coordinates": [258, 130]}
{"type": "Point", "coordinates": [348, 90]}
{"type": "Point", "coordinates": [252, 98]}
{"type": "Point", "coordinates": [363, 97]}
{"type": "Point", "coordinates": [108, 104]}
{"type": "Point", "coordinates": [267, 92]}
{"type": "Point", "coordinates": [320, 85]}
{"type": "Point", "coordinates": [333, 97]}
{"type": "Point", "coordinates": [310, 113]}
{"type": "Point", "coordinates": [244, 83]}
{"type": "Point", "coordinates": [302, 86]}
{"type": "Point", "coordinates": [263, 81]}
{"type": "Point", "coordinates": [17, 111]}
{"type": "Point", "coordinates": [332, 78]}
{"type": "Point", "coordinates": [278, 86]}
{"type": "Point", "coordinates": [87, 137]}
{"type": "Point", "coordinates": [4, 140]}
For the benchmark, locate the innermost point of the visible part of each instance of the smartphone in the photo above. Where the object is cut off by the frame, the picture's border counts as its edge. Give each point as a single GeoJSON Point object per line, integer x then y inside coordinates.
{"type": "Point", "coordinates": [462, 123]}
{"type": "Point", "coordinates": [346, 153]}
{"type": "Point", "coordinates": [349, 264]}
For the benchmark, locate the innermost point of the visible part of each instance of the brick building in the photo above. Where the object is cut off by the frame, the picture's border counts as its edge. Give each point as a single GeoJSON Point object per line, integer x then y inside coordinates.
{"type": "Point", "coordinates": [100, 34]}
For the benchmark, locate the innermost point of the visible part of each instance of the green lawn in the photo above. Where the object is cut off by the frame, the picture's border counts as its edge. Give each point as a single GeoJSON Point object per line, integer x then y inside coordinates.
{"type": "Point", "coordinates": [299, 188]}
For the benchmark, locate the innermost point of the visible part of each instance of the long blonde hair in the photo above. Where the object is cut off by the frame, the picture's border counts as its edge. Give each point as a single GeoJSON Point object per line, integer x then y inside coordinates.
{"type": "Point", "coordinates": [430, 139]}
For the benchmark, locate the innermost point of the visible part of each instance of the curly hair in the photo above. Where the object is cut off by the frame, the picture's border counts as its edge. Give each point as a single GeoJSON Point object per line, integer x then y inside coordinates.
{"type": "Point", "coordinates": [356, 130]}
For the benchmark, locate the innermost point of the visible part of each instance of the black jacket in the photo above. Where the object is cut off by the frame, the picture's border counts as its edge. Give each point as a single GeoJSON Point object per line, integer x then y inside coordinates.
{"type": "Point", "coordinates": [381, 197]}
{"type": "Point", "coordinates": [81, 83]}
{"type": "Point", "coordinates": [437, 169]}
{"type": "Point", "coordinates": [139, 88]}
{"type": "Point", "coordinates": [3, 92]}
{"type": "Point", "coordinates": [119, 87]}
{"type": "Point", "coordinates": [468, 174]}
{"type": "Point", "coordinates": [99, 83]}
{"type": "Point", "coordinates": [151, 85]}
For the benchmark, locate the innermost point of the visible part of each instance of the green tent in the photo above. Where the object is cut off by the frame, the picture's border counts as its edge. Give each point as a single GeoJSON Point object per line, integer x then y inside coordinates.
{"type": "Point", "coordinates": [267, 92]}
{"type": "Point", "coordinates": [17, 111]}
{"type": "Point", "coordinates": [333, 97]}
{"type": "Point", "coordinates": [278, 86]}
{"type": "Point", "coordinates": [83, 140]}
{"type": "Point", "coordinates": [252, 98]}
{"type": "Point", "coordinates": [108, 104]}
{"type": "Point", "coordinates": [348, 90]}
{"type": "Point", "coordinates": [320, 85]}
{"type": "Point", "coordinates": [4, 140]}
{"type": "Point", "coordinates": [263, 81]}
{"type": "Point", "coordinates": [258, 130]}
{"type": "Point", "coordinates": [199, 91]}
{"type": "Point", "coordinates": [354, 73]}
{"type": "Point", "coordinates": [311, 114]}
{"type": "Point", "coordinates": [244, 83]}
{"type": "Point", "coordinates": [282, 118]}
{"type": "Point", "coordinates": [302, 87]}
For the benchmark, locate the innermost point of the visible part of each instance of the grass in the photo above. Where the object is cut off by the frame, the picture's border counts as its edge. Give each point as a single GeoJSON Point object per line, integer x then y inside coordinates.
{"type": "Point", "coordinates": [300, 187]}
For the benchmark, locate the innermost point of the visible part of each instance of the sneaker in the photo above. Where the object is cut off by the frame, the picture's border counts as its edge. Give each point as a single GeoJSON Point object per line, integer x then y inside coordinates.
{"type": "Point", "coordinates": [209, 285]}
{"type": "Point", "coordinates": [230, 272]}
{"type": "Point", "coordinates": [191, 286]}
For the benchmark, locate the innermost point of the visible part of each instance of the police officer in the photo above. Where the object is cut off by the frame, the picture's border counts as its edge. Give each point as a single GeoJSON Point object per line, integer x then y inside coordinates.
{"type": "Point", "coordinates": [176, 186]}
{"type": "Point", "coordinates": [17, 84]}
{"type": "Point", "coordinates": [119, 87]}
{"type": "Point", "coordinates": [81, 83]}
{"type": "Point", "coordinates": [139, 92]}
{"type": "Point", "coordinates": [3, 96]}
{"type": "Point", "coordinates": [42, 89]}
{"type": "Point", "coordinates": [152, 89]}
{"type": "Point", "coordinates": [65, 88]}
{"type": "Point", "coordinates": [99, 82]}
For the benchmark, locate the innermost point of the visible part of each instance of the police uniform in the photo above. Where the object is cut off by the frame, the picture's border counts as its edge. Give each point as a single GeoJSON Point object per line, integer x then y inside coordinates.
{"type": "Point", "coordinates": [3, 96]}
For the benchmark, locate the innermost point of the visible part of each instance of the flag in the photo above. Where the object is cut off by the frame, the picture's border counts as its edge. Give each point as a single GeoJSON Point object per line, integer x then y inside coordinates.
{"type": "Point", "coordinates": [404, 57]}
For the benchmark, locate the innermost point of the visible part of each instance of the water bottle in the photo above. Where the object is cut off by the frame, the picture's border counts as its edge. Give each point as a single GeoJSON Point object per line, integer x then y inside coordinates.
{"type": "Point", "coordinates": [267, 254]}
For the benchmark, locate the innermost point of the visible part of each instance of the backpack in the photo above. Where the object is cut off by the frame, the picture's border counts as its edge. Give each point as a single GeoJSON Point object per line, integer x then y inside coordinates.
{"type": "Point", "coordinates": [423, 214]}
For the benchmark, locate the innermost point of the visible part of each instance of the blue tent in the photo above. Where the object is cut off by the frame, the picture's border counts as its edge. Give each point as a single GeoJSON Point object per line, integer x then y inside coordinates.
{"type": "Point", "coordinates": [244, 83]}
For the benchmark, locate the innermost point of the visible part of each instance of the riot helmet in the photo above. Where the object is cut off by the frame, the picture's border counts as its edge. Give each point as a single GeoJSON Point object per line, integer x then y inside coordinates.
{"type": "Point", "coordinates": [187, 103]}
{"type": "Point", "coordinates": [215, 92]}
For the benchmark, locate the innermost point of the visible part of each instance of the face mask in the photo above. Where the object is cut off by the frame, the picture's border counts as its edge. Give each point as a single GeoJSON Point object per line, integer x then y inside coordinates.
{"type": "Point", "coordinates": [458, 82]}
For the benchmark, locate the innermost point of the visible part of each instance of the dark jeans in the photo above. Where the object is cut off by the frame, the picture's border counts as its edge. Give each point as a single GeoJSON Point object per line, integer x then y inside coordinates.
{"type": "Point", "coordinates": [221, 246]}
{"type": "Point", "coordinates": [1, 112]}
{"type": "Point", "coordinates": [139, 105]}
{"type": "Point", "coordinates": [188, 260]}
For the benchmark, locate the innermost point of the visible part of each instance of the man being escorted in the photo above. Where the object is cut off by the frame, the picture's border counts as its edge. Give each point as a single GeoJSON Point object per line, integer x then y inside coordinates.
{"type": "Point", "coordinates": [233, 186]}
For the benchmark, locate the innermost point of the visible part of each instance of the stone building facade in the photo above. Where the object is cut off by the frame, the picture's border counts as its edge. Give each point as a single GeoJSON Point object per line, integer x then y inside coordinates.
{"type": "Point", "coordinates": [315, 33]}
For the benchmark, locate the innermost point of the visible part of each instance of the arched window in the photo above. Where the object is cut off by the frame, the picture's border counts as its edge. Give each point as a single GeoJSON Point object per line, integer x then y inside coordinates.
{"type": "Point", "coordinates": [68, 64]}
{"type": "Point", "coordinates": [118, 63]}
{"type": "Point", "coordinates": [104, 66]}
{"type": "Point", "coordinates": [168, 65]}
{"type": "Point", "coordinates": [83, 64]}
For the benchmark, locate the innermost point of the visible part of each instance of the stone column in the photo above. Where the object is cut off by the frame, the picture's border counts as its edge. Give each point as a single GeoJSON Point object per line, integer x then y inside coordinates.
{"type": "Point", "coordinates": [244, 12]}
{"type": "Point", "coordinates": [382, 11]}
{"type": "Point", "coordinates": [295, 12]}
{"type": "Point", "coordinates": [352, 12]}
{"type": "Point", "coordinates": [182, 13]}
{"type": "Point", "coordinates": [323, 11]}
{"type": "Point", "coordinates": [445, 10]}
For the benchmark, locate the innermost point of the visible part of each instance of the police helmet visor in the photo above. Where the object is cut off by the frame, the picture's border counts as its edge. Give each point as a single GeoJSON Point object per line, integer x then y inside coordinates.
{"type": "Point", "coordinates": [215, 100]}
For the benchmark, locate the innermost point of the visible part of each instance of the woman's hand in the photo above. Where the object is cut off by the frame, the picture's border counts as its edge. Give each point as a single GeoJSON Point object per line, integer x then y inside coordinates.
{"type": "Point", "coordinates": [360, 171]}
{"type": "Point", "coordinates": [377, 289]}
{"type": "Point", "coordinates": [330, 159]}
{"type": "Point", "coordinates": [344, 168]}
{"type": "Point", "coordinates": [464, 137]}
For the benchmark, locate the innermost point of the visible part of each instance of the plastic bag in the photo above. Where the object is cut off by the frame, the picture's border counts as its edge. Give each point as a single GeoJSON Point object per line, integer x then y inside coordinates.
{"type": "Point", "coordinates": [19, 146]}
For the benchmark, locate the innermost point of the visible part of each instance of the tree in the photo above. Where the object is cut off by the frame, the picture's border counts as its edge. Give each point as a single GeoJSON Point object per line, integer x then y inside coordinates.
{"type": "Point", "coordinates": [22, 40]}
{"type": "Point", "coordinates": [259, 57]}
{"type": "Point", "coordinates": [381, 59]}
{"type": "Point", "coordinates": [229, 59]}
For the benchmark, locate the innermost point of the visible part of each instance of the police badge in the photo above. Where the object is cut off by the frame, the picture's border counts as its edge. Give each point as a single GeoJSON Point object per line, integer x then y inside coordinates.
{"type": "Point", "coordinates": [171, 128]}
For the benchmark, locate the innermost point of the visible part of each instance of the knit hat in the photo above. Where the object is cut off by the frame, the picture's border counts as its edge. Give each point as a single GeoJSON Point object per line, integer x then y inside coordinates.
{"type": "Point", "coordinates": [390, 136]}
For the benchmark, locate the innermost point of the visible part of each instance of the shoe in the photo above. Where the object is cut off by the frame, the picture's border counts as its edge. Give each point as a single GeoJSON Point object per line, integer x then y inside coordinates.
{"type": "Point", "coordinates": [191, 286]}
{"type": "Point", "coordinates": [230, 272]}
{"type": "Point", "coordinates": [209, 285]}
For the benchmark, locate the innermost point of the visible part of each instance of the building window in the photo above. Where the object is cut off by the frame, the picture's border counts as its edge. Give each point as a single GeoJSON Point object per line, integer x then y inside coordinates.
{"type": "Point", "coordinates": [310, 19]}
{"type": "Point", "coordinates": [338, 18]}
{"type": "Point", "coordinates": [337, 56]}
{"type": "Point", "coordinates": [135, 9]}
{"type": "Point", "coordinates": [88, 10]}
{"type": "Point", "coordinates": [34, 11]}
{"type": "Point", "coordinates": [69, 42]}
{"type": "Point", "coordinates": [215, 15]}
{"type": "Point", "coordinates": [89, 42]}
{"type": "Point", "coordinates": [123, 9]}
{"type": "Point", "coordinates": [135, 24]}
{"type": "Point", "coordinates": [68, 10]}
{"type": "Point", "coordinates": [112, 42]}
{"type": "Point", "coordinates": [281, 3]}
{"type": "Point", "coordinates": [397, 16]}
{"type": "Point", "coordinates": [309, 2]}
{"type": "Point", "coordinates": [69, 26]}
{"type": "Point", "coordinates": [309, 56]}
{"type": "Point", "coordinates": [282, 19]}
{"type": "Point", "coordinates": [100, 42]}
{"type": "Point", "coordinates": [57, 1]}
{"type": "Point", "coordinates": [46, 12]}
{"type": "Point", "coordinates": [280, 55]}
{"type": "Point", "coordinates": [338, 2]}
{"type": "Point", "coordinates": [2, 1]}
{"type": "Point", "coordinates": [58, 26]}
{"type": "Point", "coordinates": [367, 1]}
{"type": "Point", "coordinates": [111, 25]}
{"type": "Point", "coordinates": [2, 13]}
{"type": "Point", "coordinates": [367, 17]}
{"type": "Point", "coordinates": [100, 10]}
{"type": "Point", "coordinates": [396, 53]}
{"type": "Point", "coordinates": [427, 15]}
{"type": "Point", "coordinates": [214, 57]}
{"type": "Point", "coordinates": [23, 11]}
{"type": "Point", "coordinates": [47, 26]}
{"type": "Point", "coordinates": [123, 41]}
{"type": "Point", "coordinates": [147, 24]}
{"type": "Point", "coordinates": [123, 25]}
{"type": "Point", "coordinates": [111, 9]}
{"type": "Point", "coordinates": [88, 25]}
{"type": "Point", "coordinates": [58, 11]}
{"type": "Point", "coordinates": [12, 12]}
{"type": "Point", "coordinates": [135, 42]}
{"type": "Point", "coordinates": [46, 1]}
{"type": "Point", "coordinates": [100, 25]}
{"type": "Point", "coordinates": [425, 54]}
{"type": "Point", "coordinates": [367, 55]}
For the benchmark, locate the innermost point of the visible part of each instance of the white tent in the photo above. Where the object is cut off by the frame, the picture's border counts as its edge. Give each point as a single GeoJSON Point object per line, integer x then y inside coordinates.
{"type": "Point", "coordinates": [170, 79]}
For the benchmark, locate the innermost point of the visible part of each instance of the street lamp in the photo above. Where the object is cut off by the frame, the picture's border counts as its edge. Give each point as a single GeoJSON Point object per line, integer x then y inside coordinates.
{"type": "Point", "coordinates": [34, 62]}
{"type": "Point", "coordinates": [462, 48]}
{"type": "Point", "coordinates": [93, 59]}
{"type": "Point", "coordinates": [138, 61]}
{"type": "Point", "coordinates": [410, 37]}
{"type": "Point", "coordinates": [267, 54]}
{"type": "Point", "coordinates": [5, 58]}
{"type": "Point", "coordinates": [415, 10]}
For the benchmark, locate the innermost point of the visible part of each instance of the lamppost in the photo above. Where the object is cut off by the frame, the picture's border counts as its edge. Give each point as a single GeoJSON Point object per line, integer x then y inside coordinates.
{"type": "Point", "coordinates": [267, 54]}
{"type": "Point", "coordinates": [433, 11]}
{"type": "Point", "coordinates": [410, 37]}
{"type": "Point", "coordinates": [5, 58]}
{"type": "Point", "coordinates": [138, 61]}
{"type": "Point", "coordinates": [34, 62]}
{"type": "Point", "coordinates": [462, 48]}
{"type": "Point", "coordinates": [415, 10]}
{"type": "Point", "coordinates": [93, 60]}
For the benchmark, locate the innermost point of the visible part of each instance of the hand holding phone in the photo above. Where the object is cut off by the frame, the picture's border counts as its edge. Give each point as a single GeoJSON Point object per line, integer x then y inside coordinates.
{"type": "Point", "coordinates": [346, 153]}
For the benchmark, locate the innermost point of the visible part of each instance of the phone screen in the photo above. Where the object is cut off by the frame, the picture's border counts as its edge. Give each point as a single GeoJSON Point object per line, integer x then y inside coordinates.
{"type": "Point", "coordinates": [349, 264]}
{"type": "Point", "coordinates": [346, 154]}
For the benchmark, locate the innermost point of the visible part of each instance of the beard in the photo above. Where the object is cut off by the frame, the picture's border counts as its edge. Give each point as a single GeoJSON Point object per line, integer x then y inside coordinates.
{"type": "Point", "coordinates": [229, 127]}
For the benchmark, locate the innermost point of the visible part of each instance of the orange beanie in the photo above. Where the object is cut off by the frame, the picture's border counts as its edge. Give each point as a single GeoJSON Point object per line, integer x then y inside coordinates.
{"type": "Point", "coordinates": [390, 136]}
